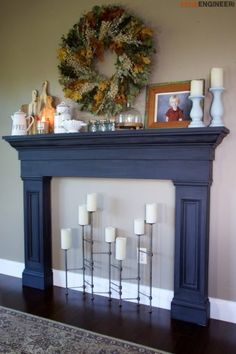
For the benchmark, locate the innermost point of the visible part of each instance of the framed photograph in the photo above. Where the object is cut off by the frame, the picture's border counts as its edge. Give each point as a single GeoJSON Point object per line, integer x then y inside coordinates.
{"type": "Point", "coordinates": [168, 105]}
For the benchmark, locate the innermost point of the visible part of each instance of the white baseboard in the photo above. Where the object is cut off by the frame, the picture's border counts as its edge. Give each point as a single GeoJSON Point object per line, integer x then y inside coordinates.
{"type": "Point", "coordinates": [11, 268]}
{"type": "Point", "coordinates": [222, 310]}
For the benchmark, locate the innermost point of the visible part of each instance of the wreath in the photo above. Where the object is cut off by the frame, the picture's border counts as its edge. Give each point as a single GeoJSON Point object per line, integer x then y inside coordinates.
{"type": "Point", "coordinates": [105, 28]}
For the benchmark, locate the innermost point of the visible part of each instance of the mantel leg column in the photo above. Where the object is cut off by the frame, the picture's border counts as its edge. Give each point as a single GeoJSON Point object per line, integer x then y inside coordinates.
{"type": "Point", "coordinates": [37, 228]}
{"type": "Point", "coordinates": [190, 302]}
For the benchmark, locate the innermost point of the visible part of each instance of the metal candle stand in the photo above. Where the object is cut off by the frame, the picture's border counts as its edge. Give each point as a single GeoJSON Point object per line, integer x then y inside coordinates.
{"type": "Point", "coordinates": [83, 268]}
{"type": "Point", "coordinates": [149, 254]}
{"type": "Point", "coordinates": [109, 253]}
{"type": "Point", "coordinates": [92, 253]}
{"type": "Point", "coordinates": [118, 287]}
{"type": "Point", "coordinates": [89, 264]}
{"type": "Point", "coordinates": [68, 269]}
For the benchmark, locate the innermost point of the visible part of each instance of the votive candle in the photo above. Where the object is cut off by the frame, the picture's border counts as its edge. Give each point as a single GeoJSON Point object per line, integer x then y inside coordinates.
{"type": "Point", "coordinates": [151, 213]}
{"type": "Point", "coordinates": [110, 234]}
{"type": "Point", "coordinates": [83, 215]}
{"type": "Point", "coordinates": [92, 202]}
{"type": "Point", "coordinates": [66, 239]}
{"type": "Point", "coordinates": [139, 226]}
{"type": "Point", "coordinates": [216, 77]}
{"type": "Point", "coordinates": [120, 248]}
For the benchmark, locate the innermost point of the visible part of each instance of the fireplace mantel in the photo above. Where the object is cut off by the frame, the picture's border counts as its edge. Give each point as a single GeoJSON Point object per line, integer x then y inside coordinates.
{"type": "Point", "coordinates": [183, 155]}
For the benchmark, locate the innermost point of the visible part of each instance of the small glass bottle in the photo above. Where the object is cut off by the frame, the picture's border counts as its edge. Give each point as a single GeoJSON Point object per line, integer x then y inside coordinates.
{"type": "Point", "coordinates": [92, 127]}
{"type": "Point", "coordinates": [102, 125]}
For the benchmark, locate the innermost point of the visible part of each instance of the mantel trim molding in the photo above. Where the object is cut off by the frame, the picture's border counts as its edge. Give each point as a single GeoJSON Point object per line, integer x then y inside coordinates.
{"type": "Point", "coordinates": [183, 155]}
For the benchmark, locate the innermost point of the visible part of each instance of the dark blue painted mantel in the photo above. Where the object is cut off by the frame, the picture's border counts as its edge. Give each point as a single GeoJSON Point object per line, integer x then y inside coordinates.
{"type": "Point", "coordinates": [183, 155]}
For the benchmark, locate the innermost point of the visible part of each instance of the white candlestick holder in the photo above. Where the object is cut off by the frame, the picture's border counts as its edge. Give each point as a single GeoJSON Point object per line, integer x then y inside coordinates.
{"type": "Point", "coordinates": [216, 110]}
{"type": "Point", "coordinates": [196, 112]}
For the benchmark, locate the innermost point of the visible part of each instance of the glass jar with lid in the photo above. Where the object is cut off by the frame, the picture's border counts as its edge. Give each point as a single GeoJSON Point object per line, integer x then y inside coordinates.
{"type": "Point", "coordinates": [130, 118]}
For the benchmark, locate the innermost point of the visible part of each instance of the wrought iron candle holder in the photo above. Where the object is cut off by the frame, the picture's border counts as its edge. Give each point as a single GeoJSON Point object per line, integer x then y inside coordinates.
{"type": "Point", "coordinates": [67, 269]}
{"type": "Point", "coordinates": [88, 264]}
{"type": "Point", "coordinates": [149, 254]}
{"type": "Point", "coordinates": [118, 287]}
{"type": "Point", "coordinates": [109, 253]}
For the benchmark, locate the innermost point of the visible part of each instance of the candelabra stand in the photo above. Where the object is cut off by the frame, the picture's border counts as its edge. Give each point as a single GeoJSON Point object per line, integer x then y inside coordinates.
{"type": "Point", "coordinates": [89, 263]}
{"type": "Point", "coordinates": [216, 110]}
{"type": "Point", "coordinates": [138, 270]}
{"type": "Point", "coordinates": [150, 262]}
{"type": "Point", "coordinates": [196, 112]}
{"type": "Point", "coordinates": [66, 271]}
{"type": "Point", "coordinates": [75, 269]}
{"type": "Point", "coordinates": [149, 254]}
{"type": "Point", "coordinates": [118, 287]}
{"type": "Point", "coordinates": [109, 253]}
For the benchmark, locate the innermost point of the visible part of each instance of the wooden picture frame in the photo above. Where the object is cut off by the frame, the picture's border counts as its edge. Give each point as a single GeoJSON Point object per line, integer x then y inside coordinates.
{"type": "Point", "coordinates": [158, 105]}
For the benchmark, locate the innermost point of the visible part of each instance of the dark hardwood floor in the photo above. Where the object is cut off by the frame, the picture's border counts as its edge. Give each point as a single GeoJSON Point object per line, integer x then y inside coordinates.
{"type": "Point", "coordinates": [156, 330]}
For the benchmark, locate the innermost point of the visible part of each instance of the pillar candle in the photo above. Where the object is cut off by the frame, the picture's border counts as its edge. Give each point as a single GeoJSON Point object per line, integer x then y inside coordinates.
{"type": "Point", "coordinates": [151, 213]}
{"type": "Point", "coordinates": [196, 88]}
{"type": "Point", "coordinates": [66, 239]}
{"type": "Point", "coordinates": [92, 202]}
{"type": "Point", "coordinates": [216, 77]}
{"type": "Point", "coordinates": [110, 234]}
{"type": "Point", "coordinates": [83, 215]}
{"type": "Point", "coordinates": [120, 248]}
{"type": "Point", "coordinates": [139, 226]}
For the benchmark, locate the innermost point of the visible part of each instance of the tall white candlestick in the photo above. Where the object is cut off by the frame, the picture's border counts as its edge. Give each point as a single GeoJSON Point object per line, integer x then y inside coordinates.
{"type": "Point", "coordinates": [151, 213]}
{"type": "Point", "coordinates": [196, 88]}
{"type": "Point", "coordinates": [120, 248]}
{"type": "Point", "coordinates": [110, 234]}
{"type": "Point", "coordinates": [216, 77]}
{"type": "Point", "coordinates": [92, 202]}
{"type": "Point", "coordinates": [66, 239]}
{"type": "Point", "coordinates": [83, 215]}
{"type": "Point", "coordinates": [139, 226]}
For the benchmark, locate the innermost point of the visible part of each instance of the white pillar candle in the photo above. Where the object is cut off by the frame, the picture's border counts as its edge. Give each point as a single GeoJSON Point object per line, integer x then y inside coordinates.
{"type": "Point", "coordinates": [83, 215]}
{"type": "Point", "coordinates": [92, 202]}
{"type": "Point", "coordinates": [120, 248]}
{"type": "Point", "coordinates": [139, 226]}
{"type": "Point", "coordinates": [216, 77]}
{"type": "Point", "coordinates": [196, 88]}
{"type": "Point", "coordinates": [66, 239]}
{"type": "Point", "coordinates": [151, 213]}
{"type": "Point", "coordinates": [110, 234]}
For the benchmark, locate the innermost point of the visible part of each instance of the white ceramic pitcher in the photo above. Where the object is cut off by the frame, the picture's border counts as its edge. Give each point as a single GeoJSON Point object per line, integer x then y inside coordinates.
{"type": "Point", "coordinates": [19, 123]}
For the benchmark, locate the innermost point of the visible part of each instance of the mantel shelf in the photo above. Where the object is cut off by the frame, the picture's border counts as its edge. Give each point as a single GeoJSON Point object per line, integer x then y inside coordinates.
{"type": "Point", "coordinates": [183, 155]}
{"type": "Point", "coordinates": [129, 137]}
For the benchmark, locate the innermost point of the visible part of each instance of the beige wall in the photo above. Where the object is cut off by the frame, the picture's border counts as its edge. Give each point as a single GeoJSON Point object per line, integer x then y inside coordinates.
{"type": "Point", "coordinates": [189, 43]}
